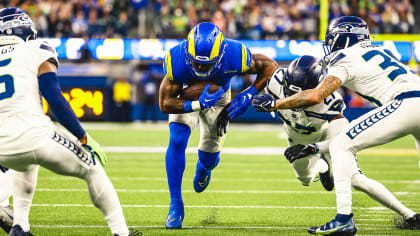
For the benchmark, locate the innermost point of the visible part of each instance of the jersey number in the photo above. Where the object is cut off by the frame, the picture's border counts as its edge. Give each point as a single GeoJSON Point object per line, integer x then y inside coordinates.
{"type": "Point", "coordinates": [7, 87]}
{"type": "Point", "coordinates": [400, 70]}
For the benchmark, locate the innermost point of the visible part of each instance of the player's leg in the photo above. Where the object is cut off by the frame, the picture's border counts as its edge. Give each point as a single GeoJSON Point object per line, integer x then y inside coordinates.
{"type": "Point", "coordinates": [381, 194]}
{"type": "Point", "coordinates": [6, 213]}
{"type": "Point", "coordinates": [379, 126]}
{"type": "Point", "coordinates": [306, 169]}
{"type": "Point", "coordinates": [23, 192]}
{"type": "Point", "coordinates": [65, 157]}
{"type": "Point", "coordinates": [180, 126]}
{"type": "Point", "coordinates": [210, 144]}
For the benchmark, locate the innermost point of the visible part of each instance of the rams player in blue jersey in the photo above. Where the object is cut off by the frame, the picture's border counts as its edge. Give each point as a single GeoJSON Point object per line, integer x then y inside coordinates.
{"type": "Point", "coordinates": [205, 55]}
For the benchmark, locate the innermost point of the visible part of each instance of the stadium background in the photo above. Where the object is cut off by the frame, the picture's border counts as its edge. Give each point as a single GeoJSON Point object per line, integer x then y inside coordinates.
{"type": "Point", "coordinates": [111, 51]}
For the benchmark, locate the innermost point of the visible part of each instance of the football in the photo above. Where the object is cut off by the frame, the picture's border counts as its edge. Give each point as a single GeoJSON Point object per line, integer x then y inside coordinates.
{"type": "Point", "coordinates": [193, 91]}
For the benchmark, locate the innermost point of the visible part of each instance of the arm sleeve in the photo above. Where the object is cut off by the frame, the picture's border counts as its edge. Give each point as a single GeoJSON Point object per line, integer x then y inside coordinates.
{"type": "Point", "coordinates": [50, 90]}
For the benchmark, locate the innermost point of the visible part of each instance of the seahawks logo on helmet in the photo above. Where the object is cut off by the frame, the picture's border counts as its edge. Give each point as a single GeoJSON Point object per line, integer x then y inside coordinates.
{"type": "Point", "coordinates": [15, 26]}
{"type": "Point", "coordinates": [344, 32]}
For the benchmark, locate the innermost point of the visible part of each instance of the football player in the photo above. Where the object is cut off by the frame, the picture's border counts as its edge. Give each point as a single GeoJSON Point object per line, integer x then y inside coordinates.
{"type": "Point", "coordinates": [309, 131]}
{"type": "Point", "coordinates": [377, 75]}
{"type": "Point", "coordinates": [205, 55]}
{"type": "Point", "coordinates": [29, 139]}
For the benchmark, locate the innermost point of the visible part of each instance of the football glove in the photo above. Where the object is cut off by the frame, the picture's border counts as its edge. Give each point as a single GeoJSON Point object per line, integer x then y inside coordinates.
{"type": "Point", "coordinates": [95, 149]}
{"type": "Point", "coordinates": [222, 121]}
{"type": "Point", "coordinates": [241, 102]}
{"type": "Point", "coordinates": [264, 103]}
{"type": "Point", "coordinates": [299, 151]}
{"type": "Point", "coordinates": [207, 99]}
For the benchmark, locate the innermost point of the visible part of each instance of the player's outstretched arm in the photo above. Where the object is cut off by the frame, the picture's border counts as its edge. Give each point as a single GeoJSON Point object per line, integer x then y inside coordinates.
{"type": "Point", "coordinates": [309, 97]}
{"type": "Point", "coordinates": [170, 103]}
{"type": "Point", "coordinates": [50, 90]}
{"type": "Point", "coordinates": [264, 67]}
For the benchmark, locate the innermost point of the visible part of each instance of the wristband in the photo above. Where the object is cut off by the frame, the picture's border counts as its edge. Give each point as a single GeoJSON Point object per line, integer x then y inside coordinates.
{"type": "Point", "coordinates": [196, 106]}
{"type": "Point", "coordinates": [253, 90]}
{"type": "Point", "coordinates": [190, 106]}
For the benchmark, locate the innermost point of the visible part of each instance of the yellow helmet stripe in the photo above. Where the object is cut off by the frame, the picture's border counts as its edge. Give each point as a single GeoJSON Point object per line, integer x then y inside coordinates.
{"type": "Point", "coordinates": [168, 63]}
{"type": "Point", "coordinates": [244, 59]}
{"type": "Point", "coordinates": [191, 46]}
{"type": "Point", "coordinates": [215, 51]}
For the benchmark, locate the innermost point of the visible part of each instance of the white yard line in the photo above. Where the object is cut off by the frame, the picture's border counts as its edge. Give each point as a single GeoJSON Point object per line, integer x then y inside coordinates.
{"type": "Point", "coordinates": [212, 191]}
{"type": "Point", "coordinates": [221, 206]}
{"type": "Point", "coordinates": [279, 180]}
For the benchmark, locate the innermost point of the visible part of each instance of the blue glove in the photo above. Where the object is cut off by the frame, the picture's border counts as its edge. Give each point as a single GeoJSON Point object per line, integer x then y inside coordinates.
{"type": "Point", "coordinates": [241, 102]}
{"type": "Point", "coordinates": [263, 103]}
{"type": "Point", "coordinates": [207, 99]}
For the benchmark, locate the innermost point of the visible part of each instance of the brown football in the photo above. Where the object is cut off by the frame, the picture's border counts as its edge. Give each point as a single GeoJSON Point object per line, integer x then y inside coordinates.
{"type": "Point", "coordinates": [193, 91]}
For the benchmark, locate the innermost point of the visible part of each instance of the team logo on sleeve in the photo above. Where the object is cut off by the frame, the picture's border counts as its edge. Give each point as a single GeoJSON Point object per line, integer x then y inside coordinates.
{"type": "Point", "coordinates": [359, 128]}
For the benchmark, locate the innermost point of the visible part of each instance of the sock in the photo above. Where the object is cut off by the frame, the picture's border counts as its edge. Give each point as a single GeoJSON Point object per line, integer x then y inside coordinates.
{"type": "Point", "coordinates": [175, 160]}
{"type": "Point", "coordinates": [343, 164]}
{"type": "Point", "coordinates": [343, 195]}
{"type": "Point", "coordinates": [23, 192]}
{"type": "Point", "coordinates": [379, 193]}
{"type": "Point", "coordinates": [6, 189]}
{"type": "Point", "coordinates": [103, 196]}
{"type": "Point", "coordinates": [343, 218]}
{"type": "Point", "coordinates": [208, 160]}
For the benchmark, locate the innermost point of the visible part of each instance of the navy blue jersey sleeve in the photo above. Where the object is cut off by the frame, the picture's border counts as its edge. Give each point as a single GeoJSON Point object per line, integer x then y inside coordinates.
{"type": "Point", "coordinates": [50, 89]}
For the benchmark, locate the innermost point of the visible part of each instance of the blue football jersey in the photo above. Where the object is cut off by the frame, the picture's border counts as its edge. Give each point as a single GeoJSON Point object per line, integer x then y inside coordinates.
{"type": "Point", "coordinates": [236, 60]}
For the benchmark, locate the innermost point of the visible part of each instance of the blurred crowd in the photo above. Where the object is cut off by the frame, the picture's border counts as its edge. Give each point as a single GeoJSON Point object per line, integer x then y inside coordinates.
{"type": "Point", "coordinates": [245, 19]}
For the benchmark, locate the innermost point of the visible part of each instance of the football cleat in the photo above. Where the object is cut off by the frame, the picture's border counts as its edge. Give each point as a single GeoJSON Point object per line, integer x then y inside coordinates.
{"type": "Point", "coordinates": [202, 176]}
{"type": "Point", "coordinates": [335, 227]}
{"type": "Point", "coordinates": [175, 218]}
{"type": "Point", "coordinates": [18, 231]}
{"type": "Point", "coordinates": [132, 232]}
{"type": "Point", "coordinates": [6, 218]}
{"type": "Point", "coordinates": [412, 223]}
{"type": "Point", "coordinates": [327, 178]}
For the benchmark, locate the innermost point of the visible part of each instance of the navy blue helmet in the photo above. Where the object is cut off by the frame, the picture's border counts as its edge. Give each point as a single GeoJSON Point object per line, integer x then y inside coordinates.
{"type": "Point", "coordinates": [204, 50]}
{"type": "Point", "coordinates": [15, 26]}
{"type": "Point", "coordinates": [303, 73]}
{"type": "Point", "coordinates": [344, 32]}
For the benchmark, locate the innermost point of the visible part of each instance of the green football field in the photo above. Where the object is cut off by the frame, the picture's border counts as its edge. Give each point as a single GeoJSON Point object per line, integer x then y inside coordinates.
{"type": "Point", "coordinates": [253, 190]}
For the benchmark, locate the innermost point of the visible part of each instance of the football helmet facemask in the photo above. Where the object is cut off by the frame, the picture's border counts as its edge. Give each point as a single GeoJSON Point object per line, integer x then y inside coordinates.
{"type": "Point", "coordinates": [344, 32]}
{"type": "Point", "coordinates": [303, 73]}
{"type": "Point", "coordinates": [15, 26]}
{"type": "Point", "coordinates": [204, 50]}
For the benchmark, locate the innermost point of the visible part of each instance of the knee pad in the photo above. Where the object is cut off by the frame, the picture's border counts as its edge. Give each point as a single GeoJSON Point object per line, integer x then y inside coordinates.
{"type": "Point", "coordinates": [179, 135]}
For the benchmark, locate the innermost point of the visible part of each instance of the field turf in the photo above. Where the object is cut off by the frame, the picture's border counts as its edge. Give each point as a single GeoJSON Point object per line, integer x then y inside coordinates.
{"type": "Point", "coordinates": [255, 193]}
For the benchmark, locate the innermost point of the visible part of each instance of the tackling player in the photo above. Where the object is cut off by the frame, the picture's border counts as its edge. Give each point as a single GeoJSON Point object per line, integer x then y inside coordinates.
{"type": "Point", "coordinates": [28, 138]}
{"type": "Point", "coordinates": [205, 55]}
{"type": "Point", "coordinates": [310, 130]}
{"type": "Point", "coordinates": [376, 74]}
